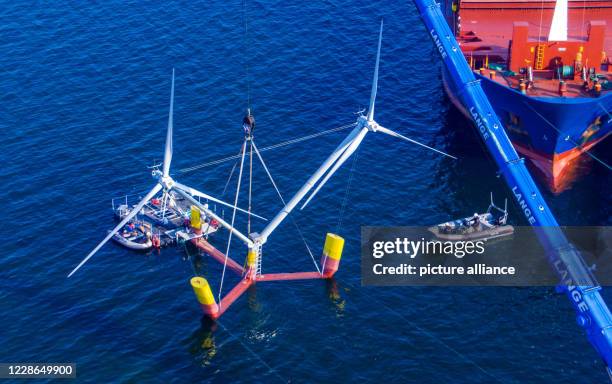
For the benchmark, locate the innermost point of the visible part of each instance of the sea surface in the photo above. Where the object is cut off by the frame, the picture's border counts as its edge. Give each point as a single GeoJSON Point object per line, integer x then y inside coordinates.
{"type": "Point", "coordinates": [84, 93]}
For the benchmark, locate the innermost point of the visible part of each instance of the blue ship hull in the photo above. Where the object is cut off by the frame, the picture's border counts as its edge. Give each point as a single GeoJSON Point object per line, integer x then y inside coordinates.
{"type": "Point", "coordinates": [552, 132]}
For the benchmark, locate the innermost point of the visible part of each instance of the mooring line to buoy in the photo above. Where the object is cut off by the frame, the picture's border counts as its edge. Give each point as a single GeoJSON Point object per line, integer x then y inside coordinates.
{"type": "Point", "coordinates": [280, 195]}
{"type": "Point", "coordinates": [229, 239]}
{"type": "Point", "coordinates": [568, 138]}
{"type": "Point", "coordinates": [248, 349]}
{"type": "Point", "coordinates": [347, 192]}
{"type": "Point", "coordinates": [430, 335]}
{"type": "Point", "coordinates": [270, 147]}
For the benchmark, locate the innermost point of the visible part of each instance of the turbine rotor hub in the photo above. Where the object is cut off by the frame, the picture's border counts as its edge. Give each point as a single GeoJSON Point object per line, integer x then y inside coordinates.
{"type": "Point", "coordinates": [167, 182]}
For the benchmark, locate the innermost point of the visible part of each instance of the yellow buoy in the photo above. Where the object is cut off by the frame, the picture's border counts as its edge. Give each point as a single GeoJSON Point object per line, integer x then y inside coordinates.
{"type": "Point", "coordinates": [205, 297]}
{"type": "Point", "coordinates": [251, 258]}
{"type": "Point", "coordinates": [332, 253]}
{"type": "Point", "coordinates": [196, 220]}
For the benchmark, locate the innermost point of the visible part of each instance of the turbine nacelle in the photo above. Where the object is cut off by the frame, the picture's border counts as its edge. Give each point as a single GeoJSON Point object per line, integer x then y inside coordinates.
{"type": "Point", "coordinates": [363, 122]}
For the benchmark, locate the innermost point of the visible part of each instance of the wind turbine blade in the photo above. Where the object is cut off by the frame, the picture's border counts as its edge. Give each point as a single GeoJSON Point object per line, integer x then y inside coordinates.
{"type": "Point", "coordinates": [195, 192]}
{"type": "Point", "coordinates": [375, 81]}
{"type": "Point", "coordinates": [349, 151]}
{"type": "Point", "coordinates": [123, 222]}
{"type": "Point", "coordinates": [395, 134]}
{"type": "Point", "coordinates": [168, 149]}
{"type": "Point", "coordinates": [210, 213]}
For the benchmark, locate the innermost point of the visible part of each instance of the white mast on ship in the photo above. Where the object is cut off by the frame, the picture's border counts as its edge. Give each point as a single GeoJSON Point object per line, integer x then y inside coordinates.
{"type": "Point", "coordinates": [558, 28]}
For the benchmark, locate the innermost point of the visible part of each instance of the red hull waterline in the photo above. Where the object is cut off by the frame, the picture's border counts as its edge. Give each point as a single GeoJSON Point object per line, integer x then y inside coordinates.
{"type": "Point", "coordinates": [562, 169]}
{"type": "Point", "coordinates": [559, 170]}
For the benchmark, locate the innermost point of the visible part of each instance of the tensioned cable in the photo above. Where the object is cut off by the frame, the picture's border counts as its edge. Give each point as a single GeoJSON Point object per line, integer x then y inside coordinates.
{"type": "Point", "coordinates": [230, 176]}
{"type": "Point", "coordinates": [541, 19]}
{"type": "Point", "coordinates": [583, 14]}
{"type": "Point", "coordinates": [347, 191]}
{"type": "Point", "coordinates": [283, 201]}
{"type": "Point", "coordinates": [176, 205]}
{"type": "Point", "coordinates": [255, 355]}
{"type": "Point", "coordinates": [570, 139]}
{"type": "Point", "coordinates": [410, 322]}
{"type": "Point", "coordinates": [606, 111]}
{"type": "Point", "coordinates": [270, 147]}
{"type": "Point", "coordinates": [428, 334]}
{"type": "Point", "coordinates": [246, 57]}
{"type": "Point", "coordinates": [229, 240]}
{"type": "Point", "coordinates": [250, 184]}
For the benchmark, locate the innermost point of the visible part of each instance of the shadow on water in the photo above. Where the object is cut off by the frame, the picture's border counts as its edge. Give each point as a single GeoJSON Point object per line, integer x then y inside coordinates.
{"type": "Point", "coordinates": [203, 345]}
{"type": "Point", "coordinates": [256, 329]}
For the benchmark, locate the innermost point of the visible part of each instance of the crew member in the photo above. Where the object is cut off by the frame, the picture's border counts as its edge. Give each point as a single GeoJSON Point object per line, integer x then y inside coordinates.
{"type": "Point", "coordinates": [248, 124]}
{"type": "Point", "coordinates": [475, 220]}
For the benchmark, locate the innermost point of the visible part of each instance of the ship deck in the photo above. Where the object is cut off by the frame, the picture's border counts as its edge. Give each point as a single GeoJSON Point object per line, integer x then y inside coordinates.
{"type": "Point", "coordinates": [544, 85]}
{"type": "Point", "coordinates": [487, 26]}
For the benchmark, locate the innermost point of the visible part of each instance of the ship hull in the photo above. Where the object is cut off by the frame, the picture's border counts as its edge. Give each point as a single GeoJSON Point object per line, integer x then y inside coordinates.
{"type": "Point", "coordinates": [553, 133]}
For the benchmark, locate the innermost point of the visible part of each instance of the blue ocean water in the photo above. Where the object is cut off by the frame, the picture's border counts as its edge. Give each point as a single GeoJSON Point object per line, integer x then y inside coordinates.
{"type": "Point", "coordinates": [84, 99]}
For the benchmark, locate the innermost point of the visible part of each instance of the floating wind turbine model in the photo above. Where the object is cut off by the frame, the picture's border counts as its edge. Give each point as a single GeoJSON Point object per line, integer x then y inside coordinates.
{"type": "Point", "coordinates": [251, 273]}
{"type": "Point", "coordinates": [165, 182]}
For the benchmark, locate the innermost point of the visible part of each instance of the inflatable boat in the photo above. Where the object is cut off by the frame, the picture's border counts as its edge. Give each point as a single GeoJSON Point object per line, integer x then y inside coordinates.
{"type": "Point", "coordinates": [135, 236]}
{"type": "Point", "coordinates": [489, 225]}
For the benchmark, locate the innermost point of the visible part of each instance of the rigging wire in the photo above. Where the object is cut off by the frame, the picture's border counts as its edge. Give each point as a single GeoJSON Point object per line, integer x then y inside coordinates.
{"type": "Point", "coordinates": [245, 49]}
{"type": "Point", "coordinates": [229, 240]}
{"type": "Point", "coordinates": [541, 18]}
{"type": "Point", "coordinates": [270, 147]}
{"type": "Point", "coordinates": [606, 111]}
{"type": "Point", "coordinates": [283, 201]}
{"type": "Point", "coordinates": [255, 355]}
{"type": "Point", "coordinates": [230, 175]}
{"type": "Point", "coordinates": [583, 14]}
{"type": "Point", "coordinates": [569, 138]}
{"type": "Point", "coordinates": [250, 184]}
{"type": "Point", "coordinates": [424, 331]}
{"type": "Point", "coordinates": [347, 191]}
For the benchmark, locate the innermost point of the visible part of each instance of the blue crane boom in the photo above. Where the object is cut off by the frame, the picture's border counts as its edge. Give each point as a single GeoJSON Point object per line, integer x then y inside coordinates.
{"type": "Point", "coordinates": [583, 291]}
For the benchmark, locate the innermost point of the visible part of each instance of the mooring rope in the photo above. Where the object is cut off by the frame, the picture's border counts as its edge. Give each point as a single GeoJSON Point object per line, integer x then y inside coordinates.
{"type": "Point", "coordinates": [246, 57]}
{"type": "Point", "coordinates": [606, 111]}
{"type": "Point", "coordinates": [250, 184]}
{"type": "Point", "coordinates": [230, 176]}
{"type": "Point", "coordinates": [283, 201]}
{"type": "Point", "coordinates": [425, 332]}
{"type": "Point", "coordinates": [229, 239]}
{"type": "Point", "coordinates": [270, 147]}
{"type": "Point", "coordinates": [347, 191]}
{"type": "Point", "coordinates": [255, 355]}
{"type": "Point", "coordinates": [570, 139]}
